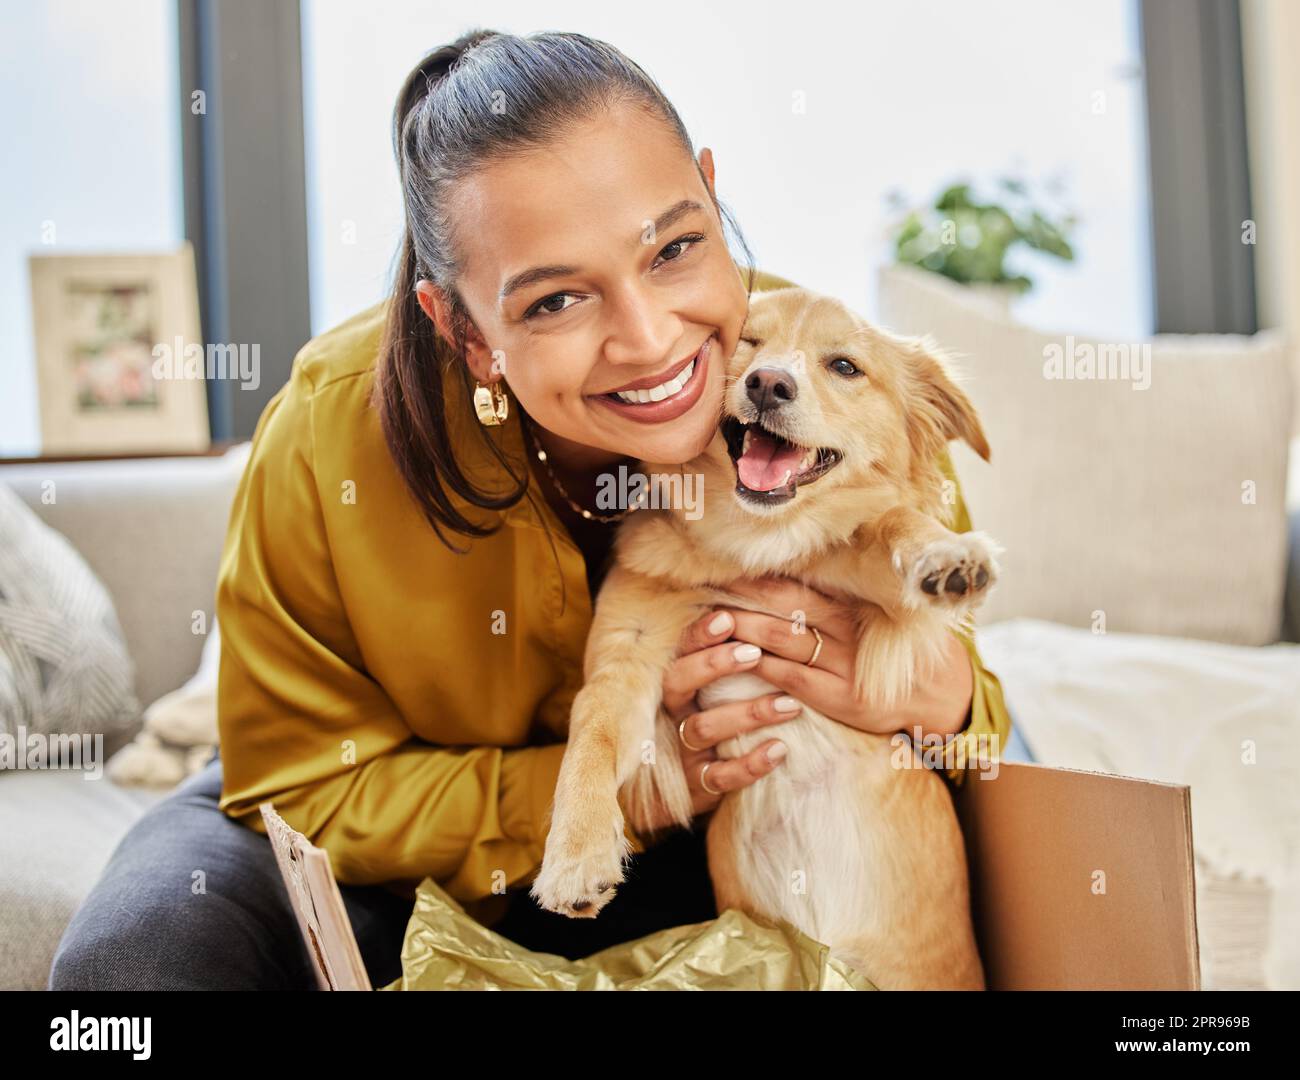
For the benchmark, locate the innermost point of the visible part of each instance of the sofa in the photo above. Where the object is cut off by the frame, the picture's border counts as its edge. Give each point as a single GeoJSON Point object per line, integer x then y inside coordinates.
{"type": "Point", "coordinates": [151, 530]}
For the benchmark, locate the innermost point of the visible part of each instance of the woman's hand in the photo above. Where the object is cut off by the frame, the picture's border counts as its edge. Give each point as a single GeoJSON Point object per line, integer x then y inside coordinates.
{"type": "Point", "coordinates": [704, 655]}
{"type": "Point", "coordinates": [940, 706]}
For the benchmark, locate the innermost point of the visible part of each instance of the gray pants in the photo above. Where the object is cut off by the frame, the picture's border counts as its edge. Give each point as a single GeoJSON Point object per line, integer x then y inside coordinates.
{"type": "Point", "coordinates": [146, 926]}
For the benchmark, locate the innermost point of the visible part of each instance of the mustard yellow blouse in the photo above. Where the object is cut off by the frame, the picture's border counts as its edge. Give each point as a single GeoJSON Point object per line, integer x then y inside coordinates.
{"type": "Point", "coordinates": [401, 704]}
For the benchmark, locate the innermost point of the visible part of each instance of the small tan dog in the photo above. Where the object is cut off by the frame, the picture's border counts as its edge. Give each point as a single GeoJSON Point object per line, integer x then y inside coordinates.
{"type": "Point", "coordinates": [828, 458]}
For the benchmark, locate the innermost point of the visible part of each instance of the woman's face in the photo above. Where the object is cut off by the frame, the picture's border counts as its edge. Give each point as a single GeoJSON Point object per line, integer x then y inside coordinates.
{"type": "Point", "coordinates": [575, 292]}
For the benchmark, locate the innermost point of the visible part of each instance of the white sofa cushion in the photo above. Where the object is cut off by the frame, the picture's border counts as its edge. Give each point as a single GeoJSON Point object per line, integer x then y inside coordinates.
{"type": "Point", "coordinates": [64, 668]}
{"type": "Point", "coordinates": [1114, 500]}
{"type": "Point", "coordinates": [180, 729]}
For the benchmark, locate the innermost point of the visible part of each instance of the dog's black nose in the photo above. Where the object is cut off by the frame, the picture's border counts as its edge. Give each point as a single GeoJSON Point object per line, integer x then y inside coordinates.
{"type": "Point", "coordinates": [769, 388]}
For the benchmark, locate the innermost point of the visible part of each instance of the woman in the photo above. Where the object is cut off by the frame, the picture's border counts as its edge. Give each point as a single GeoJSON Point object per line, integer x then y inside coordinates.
{"type": "Point", "coordinates": [403, 617]}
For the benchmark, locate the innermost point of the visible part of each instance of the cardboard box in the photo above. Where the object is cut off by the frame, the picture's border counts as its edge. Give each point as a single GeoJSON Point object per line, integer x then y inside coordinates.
{"type": "Point", "coordinates": [1079, 881]}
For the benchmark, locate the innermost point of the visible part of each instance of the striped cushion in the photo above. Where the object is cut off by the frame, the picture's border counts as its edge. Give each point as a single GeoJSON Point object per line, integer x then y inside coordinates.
{"type": "Point", "coordinates": [64, 667]}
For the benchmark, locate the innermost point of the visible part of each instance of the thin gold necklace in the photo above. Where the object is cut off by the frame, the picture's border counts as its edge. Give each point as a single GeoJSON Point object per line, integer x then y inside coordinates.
{"type": "Point", "coordinates": [588, 514]}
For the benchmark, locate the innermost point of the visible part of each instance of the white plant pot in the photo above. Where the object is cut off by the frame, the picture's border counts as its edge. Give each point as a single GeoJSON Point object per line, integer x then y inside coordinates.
{"type": "Point", "coordinates": [999, 297]}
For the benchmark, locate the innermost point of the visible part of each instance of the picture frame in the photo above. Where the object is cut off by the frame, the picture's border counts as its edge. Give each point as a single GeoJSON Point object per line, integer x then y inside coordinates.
{"type": "Point", "coordinates": [111, 332]}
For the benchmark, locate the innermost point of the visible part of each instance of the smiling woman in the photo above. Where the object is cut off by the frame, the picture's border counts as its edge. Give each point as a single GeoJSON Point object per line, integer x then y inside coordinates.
{"type": "Point", "coordinates": [643, 289]}
{"type": "Point", "coordinates": [402, 699]}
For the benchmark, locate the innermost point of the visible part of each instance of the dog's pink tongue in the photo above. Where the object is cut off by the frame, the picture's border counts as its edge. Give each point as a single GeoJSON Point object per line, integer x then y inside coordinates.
{"type": "Point", "coordinates": [764, 465]}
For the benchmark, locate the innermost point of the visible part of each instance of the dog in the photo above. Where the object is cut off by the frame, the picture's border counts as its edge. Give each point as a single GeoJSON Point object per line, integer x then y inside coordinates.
{"type": "Point", "coordinates": [828, 454]}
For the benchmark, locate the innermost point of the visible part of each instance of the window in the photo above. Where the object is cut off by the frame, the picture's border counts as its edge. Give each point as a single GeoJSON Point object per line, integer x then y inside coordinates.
{"type": "Point", "coordinates": [92, 142]}
{"type": "Point", "coordinates": [810, 130]}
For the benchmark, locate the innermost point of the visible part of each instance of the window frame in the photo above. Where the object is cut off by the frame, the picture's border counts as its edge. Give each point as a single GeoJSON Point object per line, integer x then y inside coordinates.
{"type": "Point", "coordinates": [245, 189]}
{"type": "Point", "coordinates": [1203, 275]}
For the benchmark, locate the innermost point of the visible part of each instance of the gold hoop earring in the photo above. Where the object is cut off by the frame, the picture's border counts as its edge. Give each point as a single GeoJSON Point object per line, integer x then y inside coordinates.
{"type": "Point", "coordinates": [491, 403]}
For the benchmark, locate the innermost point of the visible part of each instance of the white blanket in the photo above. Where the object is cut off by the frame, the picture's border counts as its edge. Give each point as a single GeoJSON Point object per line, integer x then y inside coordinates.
{"type": "Point", "coordinates": [1223, 719]}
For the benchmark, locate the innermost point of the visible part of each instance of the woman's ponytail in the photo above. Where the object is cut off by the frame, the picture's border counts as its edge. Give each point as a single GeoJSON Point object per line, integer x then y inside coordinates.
{"type": "Point", "coordinates": [408, 388]}
{"type": "Point", "coordinates": [427, 74]}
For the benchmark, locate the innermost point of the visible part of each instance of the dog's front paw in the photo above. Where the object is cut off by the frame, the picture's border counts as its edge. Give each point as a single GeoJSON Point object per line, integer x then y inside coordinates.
{"type": "Point", "coordinates": [956, 571]}
{"type": "Point", "coordinates": [582, 867]}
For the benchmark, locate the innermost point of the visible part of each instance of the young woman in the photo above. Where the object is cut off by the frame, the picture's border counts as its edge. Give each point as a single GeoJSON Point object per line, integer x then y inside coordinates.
{"type": "Point", "coordinates": [416, 543]}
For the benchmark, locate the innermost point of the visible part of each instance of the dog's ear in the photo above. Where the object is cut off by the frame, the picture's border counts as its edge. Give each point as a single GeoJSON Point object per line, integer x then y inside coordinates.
{"type": "Point", "coordinates": [938, 409]}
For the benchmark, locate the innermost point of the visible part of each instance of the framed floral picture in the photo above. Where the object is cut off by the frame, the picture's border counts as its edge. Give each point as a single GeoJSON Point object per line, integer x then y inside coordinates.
{"type": "Point", "coordinates": [108, 331]}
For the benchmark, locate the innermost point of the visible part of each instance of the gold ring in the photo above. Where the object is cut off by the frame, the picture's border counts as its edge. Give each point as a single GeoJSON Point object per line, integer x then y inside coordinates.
{"type": "Point", "coordinates": [681, 734]}
{"type": "Point", "coordinates": [817, 651]}
{"type": "Point", "coordinates": [704, 783]}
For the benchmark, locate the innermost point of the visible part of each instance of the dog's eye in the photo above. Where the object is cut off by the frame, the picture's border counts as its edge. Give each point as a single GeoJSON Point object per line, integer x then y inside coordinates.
{"type": "Point", "coordinates": [845, 366]}
{"type": "Point", "coordinates": [750, 341]}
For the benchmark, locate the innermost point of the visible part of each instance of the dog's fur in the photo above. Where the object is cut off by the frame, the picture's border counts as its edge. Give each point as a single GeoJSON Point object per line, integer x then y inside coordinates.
{"type": "Point", "coordinates": [853, 850]}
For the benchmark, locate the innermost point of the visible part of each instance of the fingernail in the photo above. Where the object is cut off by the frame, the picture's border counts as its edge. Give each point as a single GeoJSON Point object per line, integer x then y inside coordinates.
{"type": "Point", "coordinates": [776, 752]}
{"type": "Point", "coordinates": [745, 653]}
{"type": "Point", "coordinates": [721, 621]}
{"type": "Point", "coordinates": [786, 704]}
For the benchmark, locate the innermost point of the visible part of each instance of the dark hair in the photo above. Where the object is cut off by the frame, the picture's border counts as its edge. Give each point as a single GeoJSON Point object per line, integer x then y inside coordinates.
{"type": "Point", "coordinates": [447, 123]}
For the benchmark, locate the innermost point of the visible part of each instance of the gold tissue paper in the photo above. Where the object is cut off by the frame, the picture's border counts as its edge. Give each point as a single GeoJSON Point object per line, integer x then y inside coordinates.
{"type": "Point", "coordinates": [446, 949]}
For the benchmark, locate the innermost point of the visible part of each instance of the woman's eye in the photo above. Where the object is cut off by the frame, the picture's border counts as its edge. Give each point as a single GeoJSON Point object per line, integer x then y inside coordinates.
{"type": "Point", "coordinates": [845, 367]}
{"type": "Point", "coordinates": [540, 307]}
{"type": "Point", "coordinates": [691, 238]}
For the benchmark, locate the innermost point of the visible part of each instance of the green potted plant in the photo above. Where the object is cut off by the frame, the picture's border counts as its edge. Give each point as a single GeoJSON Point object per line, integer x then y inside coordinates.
{"type": "Point", "coordinates": [967, 238]}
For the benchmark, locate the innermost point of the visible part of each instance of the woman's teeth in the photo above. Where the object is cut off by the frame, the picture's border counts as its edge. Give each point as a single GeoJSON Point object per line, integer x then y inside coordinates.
{"type": "Point", "coordinates": [657, 393]}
